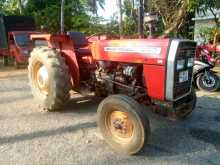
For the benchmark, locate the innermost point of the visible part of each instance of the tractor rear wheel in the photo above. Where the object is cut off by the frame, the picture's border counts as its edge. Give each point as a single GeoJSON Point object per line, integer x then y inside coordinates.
{"type": "Point", "coordinates": [49, 78]}
{"type": "Point", "coordinates": [123, 124]}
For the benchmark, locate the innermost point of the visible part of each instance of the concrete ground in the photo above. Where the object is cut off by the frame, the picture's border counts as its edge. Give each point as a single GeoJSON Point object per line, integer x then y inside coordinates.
{"type": "Point", "coordinates": [29, 135]}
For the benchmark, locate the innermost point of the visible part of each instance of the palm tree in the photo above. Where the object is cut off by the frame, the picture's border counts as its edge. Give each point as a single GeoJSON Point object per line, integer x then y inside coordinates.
{"type": "Point", "coordinates": [120, 18]}
{"type": "Point", "coordinates": [94, 4]}
{"type": "Point", "coordinates": [20, 6]}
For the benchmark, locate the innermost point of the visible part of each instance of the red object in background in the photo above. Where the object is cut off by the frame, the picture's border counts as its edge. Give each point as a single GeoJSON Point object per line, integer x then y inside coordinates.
{"type": "Point", "coordinates": [15, 37]}
{"type": "Point", "coordinates": [20, 45]}
{"type": "Point", "coordinates": [205, 53]}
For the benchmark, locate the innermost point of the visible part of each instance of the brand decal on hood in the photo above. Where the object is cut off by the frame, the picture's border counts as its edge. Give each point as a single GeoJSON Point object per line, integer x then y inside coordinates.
{"type": "Point", "coordinates": [144, 50]}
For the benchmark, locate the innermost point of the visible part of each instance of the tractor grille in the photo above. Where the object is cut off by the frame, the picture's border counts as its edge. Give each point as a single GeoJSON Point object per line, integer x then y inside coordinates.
{"type": "Point", "coordinates": [185, 51]}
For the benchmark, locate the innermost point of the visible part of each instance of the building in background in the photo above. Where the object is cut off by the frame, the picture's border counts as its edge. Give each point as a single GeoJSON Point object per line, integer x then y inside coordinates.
{"type": "Point", "coordinates": [203, 20]}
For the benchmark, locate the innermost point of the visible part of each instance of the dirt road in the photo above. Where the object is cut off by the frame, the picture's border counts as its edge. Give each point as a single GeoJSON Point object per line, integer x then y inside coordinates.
{"type": "Point", "coordinates": [29, 135]}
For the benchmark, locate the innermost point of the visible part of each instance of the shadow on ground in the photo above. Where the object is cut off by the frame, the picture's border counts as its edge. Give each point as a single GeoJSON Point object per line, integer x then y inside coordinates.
{"type": "Point", "coordinates": [82, 105]}
{"type": "Point", "coordinates": [194, 134]}
{"type": "Point", "coordinates": [208, 136]}
{"type": "Point", "coordinates": [11, 99]}
{"type": "Point", "coordinates": [167, 139]}
{"type": "Point", "coordinates": [45, 133]}
{"type": "Point", "coordinates": [171, 138]}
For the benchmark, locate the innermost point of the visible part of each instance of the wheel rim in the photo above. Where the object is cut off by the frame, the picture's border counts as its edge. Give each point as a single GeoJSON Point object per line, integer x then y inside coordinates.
{"type": "Point", "coordinates": [120, 126]}
{"type": "Point", "coordinates": [41, 78]}
{"type": "Point", "coordinates": [209, 81]}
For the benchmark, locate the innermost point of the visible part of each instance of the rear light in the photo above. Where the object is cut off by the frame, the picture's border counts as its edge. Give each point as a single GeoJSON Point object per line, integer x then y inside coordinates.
{"type": "Point", "coordinates": [190, 62]}
{"type": "Point", "coordinates": [180, 64]}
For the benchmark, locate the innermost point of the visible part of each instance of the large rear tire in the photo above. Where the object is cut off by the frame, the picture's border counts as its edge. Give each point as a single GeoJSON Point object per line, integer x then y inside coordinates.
{"type": "Point", "coordinates": [49, 78]}
{"type": "Point", "coordinates": [123, 124]}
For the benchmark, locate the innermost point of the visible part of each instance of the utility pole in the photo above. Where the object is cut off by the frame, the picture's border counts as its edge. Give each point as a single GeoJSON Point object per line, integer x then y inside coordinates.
{"type": "Point", "coordinates": [120, 18]}
{"type": "Point", "coordinates": [141, 19]}
{"type": "Point", "coordinates": [62, 17]}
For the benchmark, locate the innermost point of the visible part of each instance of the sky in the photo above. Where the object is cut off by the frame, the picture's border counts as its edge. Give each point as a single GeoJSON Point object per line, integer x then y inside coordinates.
{"type": "Point", "coordinates": [109, 9]}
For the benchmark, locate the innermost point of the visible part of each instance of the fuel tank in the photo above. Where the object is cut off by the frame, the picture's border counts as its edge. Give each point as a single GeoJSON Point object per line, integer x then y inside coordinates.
{"type": "Point", "coordinates": [152, 53]}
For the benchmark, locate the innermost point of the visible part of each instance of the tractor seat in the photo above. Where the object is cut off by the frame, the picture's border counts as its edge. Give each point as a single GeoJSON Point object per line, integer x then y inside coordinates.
{"type": "Point", "coordinates": [79, 39]}
{"type": "Point", "coordinates": [83, 51]}
{"type": "Point", "coordinates": [80, 42]}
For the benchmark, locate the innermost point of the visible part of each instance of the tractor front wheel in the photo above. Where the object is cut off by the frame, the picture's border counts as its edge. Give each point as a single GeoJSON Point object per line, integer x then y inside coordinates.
{"type": "Point", "coordinates": [123, 124]}
{"type": "Point", "coordinates": [49, 78]}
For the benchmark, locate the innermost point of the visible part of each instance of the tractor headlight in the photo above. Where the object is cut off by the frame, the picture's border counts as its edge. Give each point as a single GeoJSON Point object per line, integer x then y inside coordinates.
{"type": "Point", "coordinates": [180, 64]}
{"type": "Point", "coordinates": [190, 62]}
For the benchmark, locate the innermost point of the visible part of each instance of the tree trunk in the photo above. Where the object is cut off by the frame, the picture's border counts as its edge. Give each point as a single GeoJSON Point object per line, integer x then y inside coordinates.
{"type": "Point", "coordinates": [215, 16]}
{"type": "Point", "coordinates": [20, 6]}
{"type": "Point", "coordinates": [141, 19]}
{"type": "Point", "coordinates": [175, 24]}
{"type": "Point", "coordinates": [120, 18]}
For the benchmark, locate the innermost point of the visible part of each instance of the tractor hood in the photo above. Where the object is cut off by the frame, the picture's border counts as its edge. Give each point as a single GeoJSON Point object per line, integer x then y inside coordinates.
{"type": "Point", "coordinates": [146, 51]}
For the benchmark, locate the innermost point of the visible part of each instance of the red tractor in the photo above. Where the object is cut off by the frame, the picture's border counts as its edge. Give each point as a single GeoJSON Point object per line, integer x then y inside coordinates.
{"type": "Point", "coordinates": [15, 40]}
{"type": "Point", "coordinates": [154, 72]}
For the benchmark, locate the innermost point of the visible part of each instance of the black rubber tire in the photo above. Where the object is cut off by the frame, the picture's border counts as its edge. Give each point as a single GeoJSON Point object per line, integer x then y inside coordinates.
{"type": "Point", "coordinates": [190, 107]}
{"type": "Point", "coordinates": [201, 85]}
{"type": "Point", "coordinates": [59, 78]}
{"type": "Point", "coordinates": [141, 131]}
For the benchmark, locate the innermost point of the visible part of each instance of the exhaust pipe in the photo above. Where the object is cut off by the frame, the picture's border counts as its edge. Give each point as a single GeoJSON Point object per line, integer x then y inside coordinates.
{"type": "Point", "coordinates": [151, 19]}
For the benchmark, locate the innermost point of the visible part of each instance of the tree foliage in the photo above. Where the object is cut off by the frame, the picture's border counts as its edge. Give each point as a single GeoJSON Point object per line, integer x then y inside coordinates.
{"type": "Point", "coordinates": [209, 34]}
{"type": "Point", "coordinates": [78, 13]}
{"type": "Point", "coordinates": [81, 15]}
{"type": "Point", "coordinates": [173, 13]}
{"type": "Point", "coordinates": [177, 14]}
{"type": "Point", "coordinates": [210, 5]}
{"type": "Point", "coordinates": [130, 18]}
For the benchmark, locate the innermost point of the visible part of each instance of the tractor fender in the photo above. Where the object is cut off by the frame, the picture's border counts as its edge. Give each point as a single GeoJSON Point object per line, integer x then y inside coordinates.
{"type": "Point", "coordinates": [72, 63]}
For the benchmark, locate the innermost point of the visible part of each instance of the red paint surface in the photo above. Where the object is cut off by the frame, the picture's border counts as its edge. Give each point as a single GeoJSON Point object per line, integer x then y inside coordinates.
{"type": "Point", "coordinates": [154, 76]}
{"type": "Point", "coordinates": [65, 44]}
{"type": "Point", "coordinates": [15, 50]}
{"type": "Point", "coordinates": [100, 54]}
{"type": "Point", "coordinates": [154, 65]}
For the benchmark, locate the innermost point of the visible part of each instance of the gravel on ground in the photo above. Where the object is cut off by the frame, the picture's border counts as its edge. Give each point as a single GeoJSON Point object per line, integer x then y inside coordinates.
{"type": "Point", "coordinates": [28, 135]}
